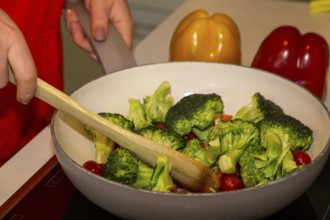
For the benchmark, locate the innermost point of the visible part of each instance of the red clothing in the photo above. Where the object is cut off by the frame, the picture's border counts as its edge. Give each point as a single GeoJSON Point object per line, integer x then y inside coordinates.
{"type": "Point", "coordinates": [39, 20]}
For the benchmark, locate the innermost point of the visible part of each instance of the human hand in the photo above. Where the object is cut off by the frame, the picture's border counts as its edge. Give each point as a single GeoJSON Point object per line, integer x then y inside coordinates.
{"type": "Point", "coordinates": [15, 52]}
{"type": "Point", "coordinates": [102, 11]}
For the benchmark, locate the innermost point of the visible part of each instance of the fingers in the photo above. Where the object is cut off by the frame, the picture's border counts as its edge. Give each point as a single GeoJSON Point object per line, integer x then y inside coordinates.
{"type": "Point", "coordinates": [99, 10]}
{"type": "Point", "coordinates": [76, 31]}
{"type": "Point", "coordinates": [102, 11]}
{"type": "Point", "coordinates": [118, 12]}
{"type": "Point", "coordinates": [121, 18]}
{"type": "Point", "coordinates": [24, 70]}
{"type": "Point", "coordinates": [15, 52]}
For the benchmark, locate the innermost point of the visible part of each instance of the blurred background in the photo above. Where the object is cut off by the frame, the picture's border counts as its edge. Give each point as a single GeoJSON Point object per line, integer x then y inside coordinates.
{"type": "Point", "coordinates": [79, 68]}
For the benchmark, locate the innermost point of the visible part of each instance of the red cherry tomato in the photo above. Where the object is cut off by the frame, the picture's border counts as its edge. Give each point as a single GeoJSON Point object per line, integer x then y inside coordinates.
{"type": "Point", "coordinates": [231, 182]}
{"type": "Point", "coordinates": [219, 175]}
{"type": "Point", "coordinates": [226, 117]}
{"type": "Point", "coordinates": [159, 125]}
{"type": "Point", "coordinates": [301, 157]}
{"type": "Point", "coordinates": [94, 167]}
{"type": "Point", "coordinates": [189, 136]}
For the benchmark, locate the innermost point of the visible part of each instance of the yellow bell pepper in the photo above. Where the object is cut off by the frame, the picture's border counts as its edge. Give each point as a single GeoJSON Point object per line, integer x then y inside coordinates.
{"type": "Point", "coordinates": [199, 37]}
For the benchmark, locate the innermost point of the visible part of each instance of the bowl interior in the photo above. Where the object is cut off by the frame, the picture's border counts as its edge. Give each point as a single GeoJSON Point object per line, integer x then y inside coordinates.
{"type": "Point", "coordinates": [235, 84]}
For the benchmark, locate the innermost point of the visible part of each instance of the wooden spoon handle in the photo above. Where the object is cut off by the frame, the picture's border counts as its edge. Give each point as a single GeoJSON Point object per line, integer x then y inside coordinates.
{"type": "Point", "coordinates": [190, 173]}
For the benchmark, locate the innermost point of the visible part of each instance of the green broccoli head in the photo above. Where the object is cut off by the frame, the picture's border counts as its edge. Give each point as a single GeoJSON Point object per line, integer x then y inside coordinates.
{"type": "Point", "coordinates": [121, 167]}
{"type": "Point", "coordinates": [288, 166]}
{"type": "Point", "coordinates": [258, 108]}
{"type": "Point", "coordinates": [252, 175]}
{"type": "Point", "coordinates": [280, 135]}
{"type": "Point", "coordinates": [202, 135]}
{"type": "Point", "coordinates": [161, 180]}
{"type": "Point", "coordinates": [137, 115]}
{"type": "Point", "coordinates": [289, 131]}
{"type": "Point", "coordinates": [144, 175]}
{"type": "Point", "coordinates": [118, 119]}
{"type": "Point", "coordinates": [207, 155]}
{"type": "Point", "coordinates": [104, 145]}
{"type": "Point", "coordinates": [157, 105]}
{"type": "Point", "coordinates": [234, 136]}
{"type": "Point", "coordinates": [195, 110]}
{"type": "Point", "coordinates": [163, 136]}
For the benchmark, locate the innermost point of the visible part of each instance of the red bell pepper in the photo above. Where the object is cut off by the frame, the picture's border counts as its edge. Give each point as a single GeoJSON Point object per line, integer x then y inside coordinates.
{"type": "Point", "coordinates": [303, 59]}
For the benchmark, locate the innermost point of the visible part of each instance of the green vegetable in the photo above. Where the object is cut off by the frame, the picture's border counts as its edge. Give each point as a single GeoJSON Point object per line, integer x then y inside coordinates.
{"type": "Point", "coordinates": [260, 137]}
{"type": "Point", "coordinates": [258, 108]}
{"type": "Point", "coordinates": [161, 180]}
{"type": "Point", "coordinates": [153, 108]}
{"type": "Point", "coordinates": [123, 167]}
{"type": "Point", "coordinates": [137, 115]}
{"type": "Point", "coordinates": [250, 174]}
{"type": "Point", "coordinates": [163, 136]}
{"type": "Point", "coordinates": [207, 155]}
{"type": "Point", "coordinates": [194, 111]}
{"type": "Point", "coordinates": [280, 135]}
{"type": "Point", "coordinates": [234, 136]}
{"type": "Point", "coordinates": [157, 105]}
{"type": "Point", "coordinates": [273, 159]}
{"type": "Point", "coordinates": [104, 145]}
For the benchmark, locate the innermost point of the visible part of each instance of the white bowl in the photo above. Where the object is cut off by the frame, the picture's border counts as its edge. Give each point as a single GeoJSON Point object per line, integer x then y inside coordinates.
{"type": "Point", "coordinates": [236, 85]}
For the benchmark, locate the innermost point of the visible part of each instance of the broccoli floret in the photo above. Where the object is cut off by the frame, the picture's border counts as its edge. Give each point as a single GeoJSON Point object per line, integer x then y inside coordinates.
{"type": "Point", "coordinates": [234, 136]}
{"type": "Point", "coordinates": [118, 119]}
{"type": "Point", "coordinates": [157, 105]}
{"type": "Point", "coordinates": [258, 108]}
{"type": "Point", "coordinates": [137, 115]}
{"type": "Point", "coordinates": [104, 145]}
{"type": "Point", "coordinates": [202, 135]}
{"type": "Point", "coordinates": [161, 180]}
{"type": "Point", "coordinates": [207, 155]}
{"type": "Point", "coordinates": [194, 111]}
{"type": "Point", "coordinates": [123, 167]}
{"type": "Point", "coordinates": [280, 135]}
{"type": "Point", "coordinates": [143, 177]}
{"type": "Point", "coordinates": [250, 174]}
{"type": "Point", "coordinates": [163, 136]}
{"type": "Point", "coordinates": [288, 166]}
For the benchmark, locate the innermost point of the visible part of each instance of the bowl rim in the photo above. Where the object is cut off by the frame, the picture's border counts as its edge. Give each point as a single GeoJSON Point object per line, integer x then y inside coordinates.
{"type": "Point", "coordinates": [325, 150]}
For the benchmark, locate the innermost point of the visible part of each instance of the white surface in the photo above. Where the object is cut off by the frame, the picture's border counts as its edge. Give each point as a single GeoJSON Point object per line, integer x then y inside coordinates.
{"type": "Point", "coordinates": [24, 164]}
{"type": "Point", "coordinates": [255, 19]}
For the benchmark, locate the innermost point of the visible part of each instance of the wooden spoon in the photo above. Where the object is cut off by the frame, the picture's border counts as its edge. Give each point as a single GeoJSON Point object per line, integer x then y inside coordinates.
{"type": "Point", "coordinates": [191, 174]}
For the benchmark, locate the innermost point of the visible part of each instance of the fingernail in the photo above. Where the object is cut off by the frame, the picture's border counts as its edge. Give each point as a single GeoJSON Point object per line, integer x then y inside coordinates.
{"type": "Point", "coordinates": [93, 56]}
{"type": "Point", "coordinates": [23, 102]}
{"type": "Point", "coordinates": [99, 34]}
{"type": "Point", "coordinates": [67, 14]}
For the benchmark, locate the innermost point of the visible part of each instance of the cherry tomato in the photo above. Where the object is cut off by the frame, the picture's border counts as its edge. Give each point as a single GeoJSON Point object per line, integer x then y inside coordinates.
{"type": "Point", "coordinates": [159, 125]}
{"type": "Point", "coordinates": [226, 117]}
{"type": "Point", "coordinates": [189, 136]}
{"type": "Point", "coordinates": [94, 167]}
{"type": "Point", "coordinates": [184, 191]}
{"type": "Point", "coordinates": [231, 182]}
{"type": "Point", "coordinates": [301, 157]}
{"type": "Point", "coordinates": [219, 175]}
{"type": "Point", "coordinates": [174, 189]}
